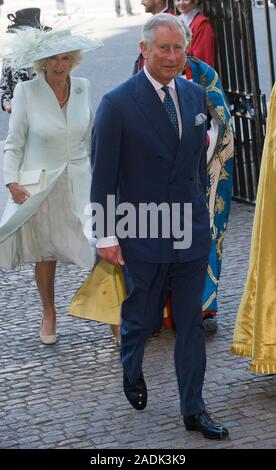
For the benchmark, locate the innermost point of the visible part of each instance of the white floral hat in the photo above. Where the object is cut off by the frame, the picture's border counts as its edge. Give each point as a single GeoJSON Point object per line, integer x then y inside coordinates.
{"type": "Point", "coordinates": [30, 45]}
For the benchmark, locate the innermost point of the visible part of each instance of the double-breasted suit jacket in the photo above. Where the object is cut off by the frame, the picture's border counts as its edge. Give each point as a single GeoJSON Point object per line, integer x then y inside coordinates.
{"type": "Point", "coordinates": [137, 156]}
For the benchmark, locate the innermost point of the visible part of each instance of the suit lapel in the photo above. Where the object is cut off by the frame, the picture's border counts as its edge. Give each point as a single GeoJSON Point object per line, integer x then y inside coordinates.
{"type": "Point", "coordinates": [152, 107]}
{"type": "Point", "coordinates": [185, 110]}
{"type": "Point", "coordinates": [187, 118]}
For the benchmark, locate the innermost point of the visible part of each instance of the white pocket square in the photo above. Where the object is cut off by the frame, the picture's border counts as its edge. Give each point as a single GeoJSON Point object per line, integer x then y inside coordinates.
{"type": "Point", "coordinates": [200, 119]}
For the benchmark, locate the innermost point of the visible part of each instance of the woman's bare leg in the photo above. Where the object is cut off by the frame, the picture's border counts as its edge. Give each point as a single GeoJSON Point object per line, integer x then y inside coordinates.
{"type": "Point", "coordinates": [45, 280]}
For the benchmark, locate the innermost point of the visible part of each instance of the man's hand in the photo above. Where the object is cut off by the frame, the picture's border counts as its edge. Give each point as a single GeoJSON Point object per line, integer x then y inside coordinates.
{"type": "Point", "coordinates": [112, 254]}
{"type": "Point", "coordinates": [19, 193]}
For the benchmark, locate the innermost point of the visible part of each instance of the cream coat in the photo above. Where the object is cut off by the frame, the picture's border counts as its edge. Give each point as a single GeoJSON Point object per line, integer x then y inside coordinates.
{"type": "Point", "coordinates": [41, 138]}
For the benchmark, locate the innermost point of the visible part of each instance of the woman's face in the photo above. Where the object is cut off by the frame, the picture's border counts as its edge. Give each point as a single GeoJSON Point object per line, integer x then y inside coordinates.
{"type": "Point", "coordinates": [185, 6]}
{"type": "Point", "coordinates": [58, 67]}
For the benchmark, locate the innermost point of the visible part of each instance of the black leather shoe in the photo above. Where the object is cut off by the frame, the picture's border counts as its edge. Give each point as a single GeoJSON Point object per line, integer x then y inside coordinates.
{"type": "Point", "coordinates": [136, 393]}
{"type": "Point", "coordinates": [203, 423]}
{"type": "Point", "coordinates": [210, 324]}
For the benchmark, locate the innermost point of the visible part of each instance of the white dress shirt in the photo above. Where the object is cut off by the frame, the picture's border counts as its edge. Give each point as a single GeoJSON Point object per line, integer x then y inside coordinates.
{"type": "Point", "coordinates": [157, 86]}
{"type": "Point", "coordinates": [113, 241]}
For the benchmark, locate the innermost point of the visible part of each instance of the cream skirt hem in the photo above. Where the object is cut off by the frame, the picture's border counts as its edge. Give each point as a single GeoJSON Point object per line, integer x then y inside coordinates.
{"type": "Point", "coordinates": [54, 232]}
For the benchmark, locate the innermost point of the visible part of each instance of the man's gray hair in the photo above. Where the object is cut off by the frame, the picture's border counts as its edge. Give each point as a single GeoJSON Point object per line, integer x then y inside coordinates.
{"type": "Point", "coordinates": [161, 19]}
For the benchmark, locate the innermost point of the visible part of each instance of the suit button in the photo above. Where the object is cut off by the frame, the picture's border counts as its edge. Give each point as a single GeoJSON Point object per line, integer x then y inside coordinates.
{"type": "Point", "coordinates": [191, 179]}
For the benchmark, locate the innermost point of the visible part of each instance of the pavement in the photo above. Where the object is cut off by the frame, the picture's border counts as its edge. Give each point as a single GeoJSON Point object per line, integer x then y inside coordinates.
{"type": "Point", "coordinates": [70, 395]}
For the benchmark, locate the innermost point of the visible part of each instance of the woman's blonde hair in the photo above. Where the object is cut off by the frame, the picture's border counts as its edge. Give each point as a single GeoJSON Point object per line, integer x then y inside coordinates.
{"type": "Point", "coordinates": [76, 60]}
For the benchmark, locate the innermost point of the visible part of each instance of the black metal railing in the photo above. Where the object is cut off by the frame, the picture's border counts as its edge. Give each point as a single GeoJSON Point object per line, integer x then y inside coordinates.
{"type": "Point", "coordinates": [238, 70]}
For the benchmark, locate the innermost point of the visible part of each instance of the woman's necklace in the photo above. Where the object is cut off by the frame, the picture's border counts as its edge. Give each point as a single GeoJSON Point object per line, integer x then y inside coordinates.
{"type": "Point", "coordinates": [66, 96]}
{"type": "Point", "coordinates": [66, 93]}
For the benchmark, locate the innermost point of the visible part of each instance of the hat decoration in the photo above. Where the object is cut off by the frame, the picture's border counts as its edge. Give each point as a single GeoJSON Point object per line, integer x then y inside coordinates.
{"type": "Point", "coordinates": [31, 44]}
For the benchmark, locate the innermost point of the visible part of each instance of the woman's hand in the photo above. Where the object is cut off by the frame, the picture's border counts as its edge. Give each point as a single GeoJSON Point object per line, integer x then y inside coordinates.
{"type": "Point", "coordinates": [19, 193]}
{"type": "Point", "coordinates": [7, 106]}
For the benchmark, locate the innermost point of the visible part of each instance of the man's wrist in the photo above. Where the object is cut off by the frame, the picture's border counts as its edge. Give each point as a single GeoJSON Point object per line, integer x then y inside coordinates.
{"type": "Point", "coordinates": [107, 242]}
{"type": "Point", "coordinates": [11, 185]}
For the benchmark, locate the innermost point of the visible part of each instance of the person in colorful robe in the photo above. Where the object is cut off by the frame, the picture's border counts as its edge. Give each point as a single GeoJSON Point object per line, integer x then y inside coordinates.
{"type": "Point", "coordinates": [220, 159]}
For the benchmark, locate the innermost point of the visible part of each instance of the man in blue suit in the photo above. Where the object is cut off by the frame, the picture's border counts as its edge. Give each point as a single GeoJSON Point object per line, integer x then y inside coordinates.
{"type": "Point", "coordinates": [149, 147]}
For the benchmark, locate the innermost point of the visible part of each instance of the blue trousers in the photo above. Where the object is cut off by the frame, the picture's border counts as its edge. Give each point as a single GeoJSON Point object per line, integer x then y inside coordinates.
{"type": "Point", "coordinates": [142, 313]}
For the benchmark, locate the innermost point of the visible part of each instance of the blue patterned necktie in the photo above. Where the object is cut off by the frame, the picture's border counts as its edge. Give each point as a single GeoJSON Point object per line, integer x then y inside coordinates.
{"type": "Point", "coordinates": [170, 108]}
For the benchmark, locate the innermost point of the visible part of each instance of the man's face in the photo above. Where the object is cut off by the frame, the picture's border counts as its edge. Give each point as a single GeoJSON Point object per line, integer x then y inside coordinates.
{"type": "Point", "coordinates": [165, 57]}
{"type": "Point", "coordinates": [154, 6]}
{"type": "Point", "coordinates": [184, 6]}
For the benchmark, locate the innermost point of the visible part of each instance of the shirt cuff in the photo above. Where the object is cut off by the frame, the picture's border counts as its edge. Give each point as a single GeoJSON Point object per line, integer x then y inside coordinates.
{"type": "Point", "coordinates": [10, 177]}
{"type": "Point", "coordinates": [107, 242]}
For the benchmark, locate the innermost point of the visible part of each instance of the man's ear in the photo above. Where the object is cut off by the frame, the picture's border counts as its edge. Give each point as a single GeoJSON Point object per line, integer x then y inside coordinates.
{"type": "Point", "coordinates": [144, 49]}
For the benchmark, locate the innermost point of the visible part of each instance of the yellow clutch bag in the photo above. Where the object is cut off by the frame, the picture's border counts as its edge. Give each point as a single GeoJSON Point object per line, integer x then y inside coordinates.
{"type": "Point", "coordinates": [101, 295]}
{"type": "Point", "coordinates": [34, 181]}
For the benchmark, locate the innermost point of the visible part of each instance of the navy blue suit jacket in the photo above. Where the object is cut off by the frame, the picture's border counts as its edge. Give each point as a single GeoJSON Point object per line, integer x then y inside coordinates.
{"type": "Point", "coordinates": [137, 156]}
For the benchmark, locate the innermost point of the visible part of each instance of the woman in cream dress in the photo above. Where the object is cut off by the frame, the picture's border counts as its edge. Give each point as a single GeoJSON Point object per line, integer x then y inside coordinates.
{"type": "Point", "coordinates": [47, 165]}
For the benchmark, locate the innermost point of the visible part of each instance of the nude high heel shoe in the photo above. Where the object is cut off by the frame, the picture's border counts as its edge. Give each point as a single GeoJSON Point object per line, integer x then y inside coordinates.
{"type": "Point", "coordinates": [47, 339]}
